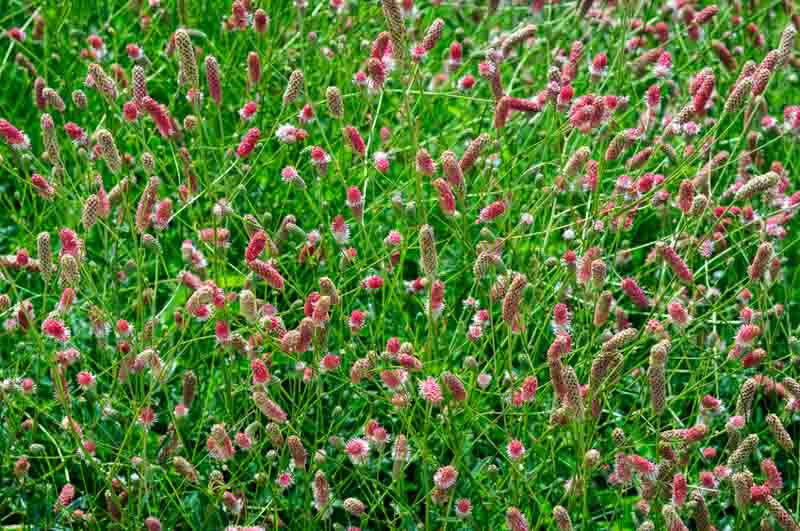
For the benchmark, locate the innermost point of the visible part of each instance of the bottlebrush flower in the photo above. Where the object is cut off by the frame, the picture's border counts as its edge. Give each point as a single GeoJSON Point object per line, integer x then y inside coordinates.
{"type": "Point", "coordinates": [334, 101]}
{"type": "Point", "coordinates": [306, 114]}
{"type": "Point", "coordinates": [85, 380]}
{"type": "Point", "coordinates": [491, 212]}
{"type": "Point", "coordinates": [738, 96]}
{"type": "Point", "coordinates": [376, 74]}
{"type": "Point", "coordinates": [645, 468]}
{"type": "Point", "coordinates": [267, 271]}
{"type": "Point", "coordinates": [774, 480]}
{"type": "Point", "coordinates": [96, 42]}
{"type": "Point", "coordinates": [213, 79]}
{"type": "Point", "coordinates": [146, 202]}
{"type": "Point", "coordinates": [248, 143]}
{"type": "Point", "coordinates": [320, 159]}
{"type": "Point", "coordinates": [22, 258]}
{"type": "Point", "coordinates": [109, 151]}
{"type": "Point", "coordinates": [455, 55]}
{"type": "Point", "coordinates": [357, 450]}
{"type": "Point", "coordinates": [260, 372]}
{"type": "Point", "coordinates": [394, 21]}
{"type": "Point", "coordinates": [678, 490]}
{"type": "Point", "coordinates": [432, 35]}
{"type": "Point", "coordinates": [507, 104]}
{"type": "Point", "coordinates": [452, 171]}
{"type": "Point", "coordinates": [330, 362]}
{"type": "Point", "coordinates": [791, 117]}
{"type": "Point", "coordinates": [447, 200]}
{"type": "Point", "coordinates": [741, 454]}
{"type": "Point", "coordinates": [635, 293]}
{"type": "Point", "coordinates": [354, 506]}
{"type": "Point", "coordinates": [445, 477]}
{"type": "Point", "coordinates": [515, 520]}
{"type": "Point", "coordinates": [68, 357]}
{"type": "Point", "coordinates": [296, 450]}
{"type": "Point", "coordinates": [218, 237]}
{"type": "Point", "coordinates": [779, 432]}
{"type": "Point", "coordinates": [678, 314]}
{"type": "Point", "coordinates": [257, 244]}
{"type": "Point", "coordinates": [163, 214]}
{"type": "Point", "coordinates": [372, 283]}
{"type": "Point", "coordinates": [147, 417]}
{"type": "Point", "coordinates": [356, 321]}
{"type": "Point", "coordinates": [473, 151]}
{"type": "Point", "coordinates": [101, 81]}
{"type": "Point", "coordinates": [430, 391]}
{"type": "Point", "coordinates": [270, 409]}
{"type": "Point", "coordinates": [354, 141]}
{"type": "Point", "coordinates": [455, 386]}
{"type": "Point", "coordinates": [16, 34]}
{"type": "Point", "coordinates": [576, 161]}
{"type": "Point", "coordinates": [285, 479]}
{"type": "Point", "coordinates": [66, 301]}
{"type": "Point", "coordinates": [561, 318]}
{"type": "Point", "coordinates": [56, 329]}
{"type": "Point", "coordinates": [249, 110]}
{"type": "Point", "coordinates": [623, 472]}
{"type": "Point", "coordinates": [701, 97]}
{"type": "Point", "coordinates": [289, 175]}
{"type": "Point", "coordinates": [76, 133]}
{"type": "Point", "coordinates": [13, 136]}
{"type": "Point", "coordinates": [289, 134]}
{"type": "Point", "coordinates": [757, 185]}
{"type": "Point", "coordinates": [599, 65]}
{"type": "Point", "coordinates": [425, 164]}
{"type": "Point", "coordinates": [380, 159]}
{"type": "Point", "coordinates": [219, 444]}
{"type": "Point", "coordinates": [187, 75]}
{"type": "Point", "coordinates": [139, 85]}
{"type": "Point", "coordinates": [160, 116]}
{"type": "Point", "coordinates": [436, 303]}
{"type": "Point", "coordinates": [130, 111]}
{"type": "Point", "coordinates": [65, 497]}
{"type": "Point", "coordinates": [134, 51]}
{"type": "Point", "coordinates": [675, 262]}
{"type": "Point", "coordinates": [512, 299]}
{"type": "Point", "coordinates": [747, 334]}
{"type": "Point", "coordinates": [321, 493]}
{"type": "Point", "coordinates": [587, 113]}
{"type": "Point", "coordinates": [42, 186]}
{"type": "Point", "coordinates": [786, 44]}
{"type": "Point", "coordinates": [340, 230]}
{"type": "Point", "coordinates": [39, 85]}
{"type": "Point", "coordinates": [515, 450]}
{"type": "Point", "coordinates": [466, 82]}
{"type": "Point", "coordinates": [663, 66]}
{"type": "Point", "coordinates": [53, 99]}
{"type": "Point", "coordinates": [294, 87]}
{"type": "Point", "coordinates": [356, 203]}
{"type": "Point", "coordinates": [21, 467]}
{"type": "Point", "coordinates": [394, 378]}
{"type": "Point", "coordinates": [463, 508]}
{"type": "Point", "coordinates": [185, 469]}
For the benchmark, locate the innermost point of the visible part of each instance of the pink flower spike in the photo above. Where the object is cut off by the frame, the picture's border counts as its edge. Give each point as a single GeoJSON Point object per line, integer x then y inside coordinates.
{"type": "Point", "coordinates": [248, 111]}
{"type": "Point", "coordinates": [515, 450]}
{"type": "Point", "coordinates": [55, 329]}
{"type": "Point", "coordinates": [248, 143]}
{"type": "Point", "coordinates": [430, 390]}
{"type": "Point", "coordinates": [357, 450]}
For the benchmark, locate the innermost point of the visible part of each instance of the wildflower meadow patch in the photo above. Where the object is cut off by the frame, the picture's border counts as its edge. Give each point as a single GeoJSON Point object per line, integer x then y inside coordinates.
{"type": "Point", "coordinates": [399, 264]}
